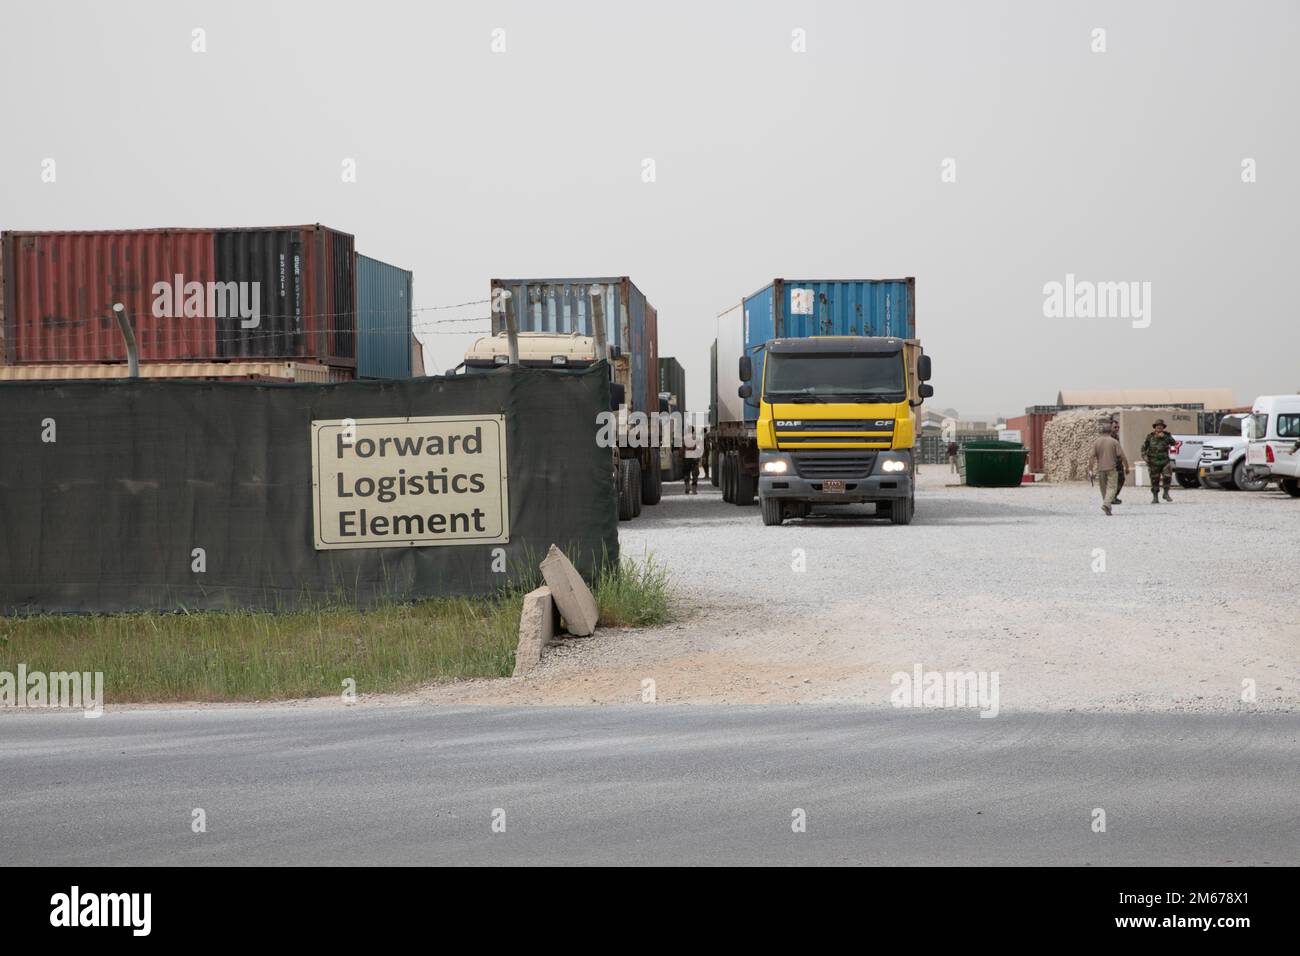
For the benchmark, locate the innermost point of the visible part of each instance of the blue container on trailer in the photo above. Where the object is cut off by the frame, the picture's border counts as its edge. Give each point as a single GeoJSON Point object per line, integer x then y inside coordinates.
{"type": "Point", "coordinates": [564, 305]}
{"type": "Point", "coordinates": [803, 308]}
{"type": "Point", "coordinates": [384, 339]}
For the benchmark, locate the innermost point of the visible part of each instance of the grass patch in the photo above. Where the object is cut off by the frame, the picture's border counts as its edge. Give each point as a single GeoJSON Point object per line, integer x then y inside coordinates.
{"type": "Point", "coordinates": [257, 655]}
{"type": "Point", "coordinates": [632, 594]}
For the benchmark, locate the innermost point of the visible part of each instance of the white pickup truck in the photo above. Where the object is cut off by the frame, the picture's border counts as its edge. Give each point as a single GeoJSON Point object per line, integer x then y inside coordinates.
{"type": "Point", "coordinates": [1273, 451]}
{"type": "Point", "coordinates": [1189, 450]}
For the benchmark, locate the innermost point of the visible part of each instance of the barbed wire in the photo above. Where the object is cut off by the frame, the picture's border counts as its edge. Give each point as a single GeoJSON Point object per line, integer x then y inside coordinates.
{"type": "Point", "coordinates": [108, 318]}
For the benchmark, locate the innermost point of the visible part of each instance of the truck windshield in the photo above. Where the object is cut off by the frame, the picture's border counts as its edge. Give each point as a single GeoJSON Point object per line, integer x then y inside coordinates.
{"type": "Point", "coordinates": [834, 377]}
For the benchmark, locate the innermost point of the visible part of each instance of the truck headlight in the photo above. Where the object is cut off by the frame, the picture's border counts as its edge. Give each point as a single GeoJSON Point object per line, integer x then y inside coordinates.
{"type": "Point", "coordinates": [777, 467]}
{"type": "Point", "coordinates": [893, 464]}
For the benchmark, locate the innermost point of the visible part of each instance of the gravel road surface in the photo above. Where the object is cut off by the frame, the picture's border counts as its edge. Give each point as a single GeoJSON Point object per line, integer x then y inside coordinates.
{"type": "Point", "coordinates": [1169, 607]}
{"type": "Point", "coordinates": [646, 784]}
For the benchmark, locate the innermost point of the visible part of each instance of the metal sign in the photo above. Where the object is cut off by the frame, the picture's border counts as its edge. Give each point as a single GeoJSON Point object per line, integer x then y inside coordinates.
{"type": "Point", "coordinates": [410, 482]}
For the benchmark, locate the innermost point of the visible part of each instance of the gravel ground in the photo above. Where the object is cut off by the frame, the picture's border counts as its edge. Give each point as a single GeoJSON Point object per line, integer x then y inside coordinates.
{"type": "Point", "coordinates": [1191, 603]}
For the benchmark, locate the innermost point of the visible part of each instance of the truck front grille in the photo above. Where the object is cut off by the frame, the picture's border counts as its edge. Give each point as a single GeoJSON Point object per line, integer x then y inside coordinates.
{"type": "Point", "coordinates": [834, 465]}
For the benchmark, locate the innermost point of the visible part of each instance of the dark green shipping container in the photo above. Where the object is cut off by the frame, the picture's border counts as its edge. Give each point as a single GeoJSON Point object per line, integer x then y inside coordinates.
{"type": "Point", "coordinates": [384, 339]}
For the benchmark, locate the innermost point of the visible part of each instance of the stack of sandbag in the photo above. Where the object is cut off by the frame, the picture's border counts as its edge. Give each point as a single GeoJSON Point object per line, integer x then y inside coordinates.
{"type": "Point", "coordinates": [1067, 443]}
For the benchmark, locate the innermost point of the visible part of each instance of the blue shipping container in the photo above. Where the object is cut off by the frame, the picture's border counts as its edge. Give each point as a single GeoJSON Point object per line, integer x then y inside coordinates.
{"type": "Point", "coordinates": [802, 308]}
{"type": "Point", "coordinates": [564, 305]}
{"type": "Point", "coordinates": [384, 339]}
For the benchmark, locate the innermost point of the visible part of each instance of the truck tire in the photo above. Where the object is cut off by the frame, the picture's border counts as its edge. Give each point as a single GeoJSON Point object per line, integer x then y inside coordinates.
{"type": "Point", "coordinates": [713, 467]}
{"type": "Point", "coordinates": [626, 511]}
{"type": "Point", "coordinates": [652, 486]}
{"type": "Point", "coordinates": [772, 513]}
{"type": "Point", "coordinates": [636, 488]}
{"type": "Point", "coordinates": [724, 466]}
{"type": "Point", "coordinates": [1243, 482]}
{"type": "Point", "coordinates": [1291, 486]}
{"type": "Point", "coordinates": [901, 509]}
{"type": "Point", "coordinates": [1187, 481]}
{"type": "Point", "coordinates": [745, 485]}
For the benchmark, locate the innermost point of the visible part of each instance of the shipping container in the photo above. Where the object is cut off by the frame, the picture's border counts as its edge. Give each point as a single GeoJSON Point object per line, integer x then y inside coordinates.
{"type": "Point", "coordinates": [191, 294]}
{"type": "Point", "coordinates": [800, 308]}
{"type": "Point", "coordinates": [672, 379]}
{"type": "Point", "coordinates": [384, 339]}
{"type": "Point", "coordinates": [1031, 425]}
{"type": "Point", "coordinates": [566, 306]}
{"type": "Point", "coordinates": [713, 386]}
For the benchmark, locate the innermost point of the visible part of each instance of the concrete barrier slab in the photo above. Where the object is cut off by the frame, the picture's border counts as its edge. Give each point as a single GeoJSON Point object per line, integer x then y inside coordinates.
{"type": "Point", "coordinates": [536, 629]}
{"type": "Point", "coordinates": [570, 592]}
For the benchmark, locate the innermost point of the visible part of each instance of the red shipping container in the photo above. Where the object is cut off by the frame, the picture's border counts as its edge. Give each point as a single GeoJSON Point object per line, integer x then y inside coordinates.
{"type": "Point", "coordinates": [191, 294]}
{"type": "Point", "coordinates": [1031, 427]}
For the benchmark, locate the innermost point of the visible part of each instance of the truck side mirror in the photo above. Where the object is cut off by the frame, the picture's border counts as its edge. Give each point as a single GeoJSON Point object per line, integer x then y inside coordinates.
{"type": "Point", "coordinates": [926, 391]}
{"type": "Point", "coordinates": [745, 391]}
{"type": "Point", "coordinates": [746, 369]}
{"type": "Point", "coordinates": [923, 368]}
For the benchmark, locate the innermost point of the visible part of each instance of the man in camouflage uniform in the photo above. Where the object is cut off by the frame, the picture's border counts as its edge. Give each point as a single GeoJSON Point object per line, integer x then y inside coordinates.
{"type": "Point", "coordinates": [1155, 450]}
{"type": "Point", "coordinates": [1119, 466]}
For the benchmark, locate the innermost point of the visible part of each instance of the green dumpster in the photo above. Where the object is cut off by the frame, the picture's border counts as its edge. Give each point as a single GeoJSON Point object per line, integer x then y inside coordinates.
{"type": "Point", "coordinates": [992, 464]}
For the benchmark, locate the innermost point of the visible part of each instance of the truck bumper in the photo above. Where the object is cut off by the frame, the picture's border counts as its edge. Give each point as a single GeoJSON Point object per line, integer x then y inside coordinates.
{"type": "Point", "coordinates": [1215, 472]}
{"type": "Point", "coordinates": [877, 486]}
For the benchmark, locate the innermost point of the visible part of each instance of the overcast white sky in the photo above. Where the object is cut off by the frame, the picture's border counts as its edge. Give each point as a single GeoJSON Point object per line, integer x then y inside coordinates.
{"type": "Point", "coordinates": [1117, 166]}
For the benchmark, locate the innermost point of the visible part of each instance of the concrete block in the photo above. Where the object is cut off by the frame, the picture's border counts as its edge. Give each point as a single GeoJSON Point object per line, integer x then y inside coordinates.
{"type": "Point", "coordinates": [571, 594]}
{"type": "Point", "coordinates": [536, 629]}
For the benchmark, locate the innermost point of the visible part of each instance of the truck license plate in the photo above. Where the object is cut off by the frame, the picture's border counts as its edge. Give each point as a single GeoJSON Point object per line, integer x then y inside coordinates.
{"type": "Point", "coordinates": [833, 485]}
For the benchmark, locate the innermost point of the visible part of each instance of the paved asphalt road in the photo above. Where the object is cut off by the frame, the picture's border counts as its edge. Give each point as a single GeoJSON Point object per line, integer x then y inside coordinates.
{"type": "Point", "coordinates": [649, 784]}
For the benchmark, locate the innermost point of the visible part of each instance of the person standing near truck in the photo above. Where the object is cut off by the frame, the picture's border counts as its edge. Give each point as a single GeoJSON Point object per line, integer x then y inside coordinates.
{"type": "Point", "coordinates": [953, 449]}
{"type": "Point", "coordinates": [1119, 469]}
{"type": "Point", "coordinates": [708, 451]}
{"type": "Point", "coordinates": [693, 447]}
{"type": "Point", "coordinates": [1106, 459]}
{"type": "Point", "coordinates": [1155, 451]}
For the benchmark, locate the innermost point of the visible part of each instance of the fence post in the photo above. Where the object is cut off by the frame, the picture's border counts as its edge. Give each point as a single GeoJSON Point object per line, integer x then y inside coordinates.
{"type": "Point", "coordinates": [512, 330]}
{"type": "Point", "coordinates": [132, 353]}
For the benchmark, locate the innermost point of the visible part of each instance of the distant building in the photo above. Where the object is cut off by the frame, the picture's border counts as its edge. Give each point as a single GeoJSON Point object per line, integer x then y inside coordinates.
{"type": "Point", "coordinates": [1209, 398]}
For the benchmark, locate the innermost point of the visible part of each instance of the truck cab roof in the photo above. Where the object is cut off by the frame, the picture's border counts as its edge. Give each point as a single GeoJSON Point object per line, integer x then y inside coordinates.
{"type": "Point", "coordinates": [837, 343]}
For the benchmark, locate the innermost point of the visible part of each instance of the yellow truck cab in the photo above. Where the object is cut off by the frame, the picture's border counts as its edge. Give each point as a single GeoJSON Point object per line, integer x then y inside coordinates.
{"type": "Point", "coordinates": [837, 423]}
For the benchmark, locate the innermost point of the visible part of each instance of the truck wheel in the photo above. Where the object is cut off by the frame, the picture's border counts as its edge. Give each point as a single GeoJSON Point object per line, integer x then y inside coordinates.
{"type": "Point", "coordinates": [772, 513]}
{"type": "Point", "coordinates": [1187, 481]}
{"type": "Point", "coordinates": [1243, 481]}
{"type": "Point", "coordinates": [745, 485]}
{"type": "Point", "coordinates": [636, 488]}
{"type": "Point", "coordinates": [900, 511]}
{"type": "Point", "coordinates": [626, 511]}
{"type": "Point", "coordinates": [713, 467]}
{"type": "Point", "coordinates": [652, 487]}
{"type": "Point", "coordinates": [724, 464]}
{"type": "Point", "coordinates": [1291, 486]}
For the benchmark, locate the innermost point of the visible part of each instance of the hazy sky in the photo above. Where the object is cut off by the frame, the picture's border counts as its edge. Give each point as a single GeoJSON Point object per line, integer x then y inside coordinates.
{"type": "Point", "coordinates": [1123, 165]}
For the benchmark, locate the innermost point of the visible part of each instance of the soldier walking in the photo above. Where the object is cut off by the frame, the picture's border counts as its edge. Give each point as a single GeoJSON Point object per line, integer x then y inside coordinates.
{"type": "Point", "coordinates": [1155, 450]}
{"type": "Point", "coordinates": [1119, 468]}
{"type": "Point", "coordinates": [1107, 459]}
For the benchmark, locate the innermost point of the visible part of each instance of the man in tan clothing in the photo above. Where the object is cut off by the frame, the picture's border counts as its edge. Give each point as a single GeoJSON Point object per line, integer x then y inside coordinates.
{"type": "Point", "coordinates": [1107, 461]}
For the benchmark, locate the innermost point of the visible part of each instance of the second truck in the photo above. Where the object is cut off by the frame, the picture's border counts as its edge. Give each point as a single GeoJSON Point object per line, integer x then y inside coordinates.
{"type": "Point", "coordinates": [818, 382]}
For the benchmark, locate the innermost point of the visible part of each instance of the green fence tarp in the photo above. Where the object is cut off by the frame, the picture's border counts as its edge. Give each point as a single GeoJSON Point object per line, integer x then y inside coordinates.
{"type": "Point", "coordinates": [107, 516]}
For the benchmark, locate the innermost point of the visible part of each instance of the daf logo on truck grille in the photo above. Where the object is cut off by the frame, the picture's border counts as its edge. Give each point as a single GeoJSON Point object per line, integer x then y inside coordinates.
{"type": "Point", "coordinates": [837, 424]}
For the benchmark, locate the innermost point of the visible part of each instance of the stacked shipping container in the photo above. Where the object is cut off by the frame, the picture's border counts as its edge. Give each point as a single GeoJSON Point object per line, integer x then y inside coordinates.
{"type": "Point", "coordinates": [193, 295]}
